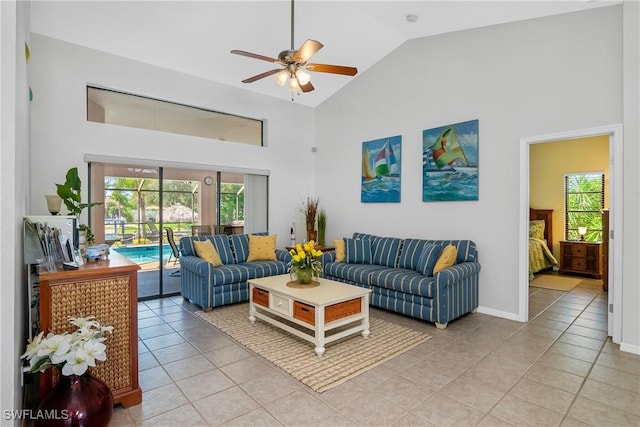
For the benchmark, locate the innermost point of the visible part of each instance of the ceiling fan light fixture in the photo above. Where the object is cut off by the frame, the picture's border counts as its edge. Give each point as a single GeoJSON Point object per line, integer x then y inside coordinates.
{"type": "Point", "coordinates": [303, 77]}
{"type": "Point", "coordinates": [281, 77]}
{"type": "Point", "coordinates": [295, 63]}
{"type": "Point", "coordinates": [293, 83]}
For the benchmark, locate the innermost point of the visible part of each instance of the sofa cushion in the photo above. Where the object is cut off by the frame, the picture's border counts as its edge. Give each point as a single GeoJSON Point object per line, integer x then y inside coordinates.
{"type": "Point", "coordinates": [410, 252]}
{"type": "Point", "coordinates": [262, 248]}
{"type": "Point", "coordinates": [232, 273]}
{"type": "Point", "coordinates": [220, 242]}
{"type": "Point", "coordinates": [240, 246]}
{"type": "Point", "coordinates": [447, 258]}
{"type": "Point", "coordinates": [356, 273]}
{"type": "Point", "coordinates": [428, 258]}
{"type": "Point", "coordinates": [357, 251]}
{"type": "Point", "coordinates": [365, 236]}
{"type": "Point", "coordinates": [207, 252]}
{"type": "Point", "coordinates": [385, 251]}
{"type": "Point", "coordinates": [266, 268]}
{"type": "Point", "coordinates": [403, 280]}
{"type": "Point", "coordinates": [466, 250]}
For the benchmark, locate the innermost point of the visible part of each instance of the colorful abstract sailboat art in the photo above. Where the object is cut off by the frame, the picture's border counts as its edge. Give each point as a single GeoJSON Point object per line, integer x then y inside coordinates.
{"type": "Point", "coordinates": [450, 162]}
{"type": "Point", "coordinates": [381, 170]}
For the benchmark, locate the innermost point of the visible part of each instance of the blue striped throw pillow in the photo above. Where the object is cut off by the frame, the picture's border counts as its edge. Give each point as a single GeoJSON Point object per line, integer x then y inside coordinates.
{"type": "Point", "coordinates": [428, 258]}
{"type": "Point", "coordinates": [357, 251]}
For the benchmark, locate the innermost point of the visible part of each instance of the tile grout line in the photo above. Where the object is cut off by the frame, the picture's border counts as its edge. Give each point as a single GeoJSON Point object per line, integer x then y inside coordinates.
{"type": "Point", "coordinates": [540, 357]}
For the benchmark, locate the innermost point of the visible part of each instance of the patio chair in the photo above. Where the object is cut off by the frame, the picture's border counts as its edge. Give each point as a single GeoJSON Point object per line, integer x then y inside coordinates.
{"type": "Point", "coordinates": [175, 252]}
{"type": "Point", "coordinates": [153, 234]}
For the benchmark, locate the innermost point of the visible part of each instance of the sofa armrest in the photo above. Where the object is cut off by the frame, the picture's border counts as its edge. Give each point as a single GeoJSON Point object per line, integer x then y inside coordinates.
{"type": "Point", "coordinates": [195, 265]}
{"type": "Point", "coordinates": [328, 256]}
{"type": "Point", "coordinates": [456, 291]}
{"type": "Point", "coordinates": [283, 255]}
{"type": "Point", "coordinates": [456, 273]}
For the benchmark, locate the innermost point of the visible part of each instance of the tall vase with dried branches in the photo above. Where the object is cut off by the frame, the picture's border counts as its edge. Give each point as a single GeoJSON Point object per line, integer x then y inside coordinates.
{"type": "Point", "coordinates": [310, 211]}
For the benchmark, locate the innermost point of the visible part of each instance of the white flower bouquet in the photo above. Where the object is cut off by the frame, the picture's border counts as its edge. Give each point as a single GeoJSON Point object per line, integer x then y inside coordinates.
{"type": "Point", "coordinates": [74, 352]}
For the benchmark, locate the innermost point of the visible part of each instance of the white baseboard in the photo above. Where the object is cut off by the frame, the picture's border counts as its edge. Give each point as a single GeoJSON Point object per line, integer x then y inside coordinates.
{"type": "Point", "coordinates": [630, 348]}
{"type": "Point", "coordinates": [498, 313]}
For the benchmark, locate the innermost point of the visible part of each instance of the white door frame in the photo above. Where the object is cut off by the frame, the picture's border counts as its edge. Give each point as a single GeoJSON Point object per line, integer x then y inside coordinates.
{"type": "Point", "coordinates": [615, 204]}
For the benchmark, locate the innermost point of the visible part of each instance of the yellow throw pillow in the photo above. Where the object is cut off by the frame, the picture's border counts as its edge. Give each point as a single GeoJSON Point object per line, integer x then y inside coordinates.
{"type": "Point", "coordinates": [447, 258]}
{"type": "Point", "coordinates": [340, 251]}
{"type": "Point", "coordinates": [262, 248]}
{"type": "Point", "coordinates": [207, 252]}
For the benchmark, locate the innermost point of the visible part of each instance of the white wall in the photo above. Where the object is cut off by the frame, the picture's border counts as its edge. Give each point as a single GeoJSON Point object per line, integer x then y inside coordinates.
{"type": "Point", "coordinates": [521, 79]}
{"type": "Point", "coordinates": [631, 211]}
{"type": "Point", "coordinates": [14, 178]}
{"type": "Point", "coordinates": [61, 136]}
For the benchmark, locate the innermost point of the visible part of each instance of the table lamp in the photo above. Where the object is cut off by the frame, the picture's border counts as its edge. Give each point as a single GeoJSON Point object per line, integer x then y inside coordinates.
{"type": "Point", "coordinates": [582, 231]}
{"type": "Point", "coordinates": [54, 202]}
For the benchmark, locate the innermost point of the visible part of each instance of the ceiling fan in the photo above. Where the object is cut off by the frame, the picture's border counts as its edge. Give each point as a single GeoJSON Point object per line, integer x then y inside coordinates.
{"type": "Point", "coordinates": [295, 64]}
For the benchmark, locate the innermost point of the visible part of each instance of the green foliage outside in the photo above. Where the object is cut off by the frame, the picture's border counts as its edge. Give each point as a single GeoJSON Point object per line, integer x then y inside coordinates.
{"type": "Point", "coordinates": [129, 198]}
{"type": "Point", "coordinates": [584, 204]}
{"type": "Point", "coordinates": [231, 203]}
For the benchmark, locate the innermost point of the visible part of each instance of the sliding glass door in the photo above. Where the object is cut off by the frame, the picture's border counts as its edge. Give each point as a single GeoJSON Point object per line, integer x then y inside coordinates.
{"type": "Point", "coordinates": [147, 210]}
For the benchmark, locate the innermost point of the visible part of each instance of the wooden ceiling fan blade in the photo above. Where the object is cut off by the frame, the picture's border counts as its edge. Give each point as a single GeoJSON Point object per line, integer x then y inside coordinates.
{"type": "Point", "coordinates": [307, 87]}
{"type": "Point", "coordinates": [255, 56]}
{"type": "Point", "coordinates": [307, 50]}
{"type": "Point", "coordinates": [262, 75]}
{"type": "Point", "coordinates": [333, 69]}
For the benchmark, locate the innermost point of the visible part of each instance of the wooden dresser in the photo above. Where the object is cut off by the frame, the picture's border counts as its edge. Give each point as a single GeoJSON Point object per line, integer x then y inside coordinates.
{"type": "Point", "coordinates": [581, 257]}
{"type": "Point", "coordinates": [107, 290]}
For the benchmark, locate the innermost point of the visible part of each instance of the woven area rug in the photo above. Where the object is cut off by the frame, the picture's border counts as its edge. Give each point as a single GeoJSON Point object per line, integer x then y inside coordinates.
{"type": "Point", "coordinates": [558, 283]}
{"type": "Point", "coordinates": [342, 360]}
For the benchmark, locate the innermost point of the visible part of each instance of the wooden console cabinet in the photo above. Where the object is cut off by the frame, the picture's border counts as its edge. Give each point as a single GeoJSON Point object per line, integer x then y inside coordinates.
{"type": "Point", "coordinates": [581, 257]}
{"type": "Point", "coordinates": [107, 290]}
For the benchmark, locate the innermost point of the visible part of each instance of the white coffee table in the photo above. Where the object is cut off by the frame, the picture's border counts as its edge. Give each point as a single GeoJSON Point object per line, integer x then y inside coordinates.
{"type": "Point", "coordinates": [318, 310]}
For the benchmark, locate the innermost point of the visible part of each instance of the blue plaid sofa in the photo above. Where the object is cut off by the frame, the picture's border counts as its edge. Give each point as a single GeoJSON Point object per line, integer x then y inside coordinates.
{"type": "Point", "coordinates": [400, 279]}
{"type": "Point", "coordinates": [209, 286]}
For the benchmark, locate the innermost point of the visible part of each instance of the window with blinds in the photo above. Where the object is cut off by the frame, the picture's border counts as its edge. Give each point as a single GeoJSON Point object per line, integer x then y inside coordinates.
{"type": "Point", "coordinates": [583, 203]}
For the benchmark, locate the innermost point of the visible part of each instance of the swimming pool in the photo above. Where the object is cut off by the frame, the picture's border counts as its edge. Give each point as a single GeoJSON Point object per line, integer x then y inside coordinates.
{"type": "Point", "coordinates": [144, 254]}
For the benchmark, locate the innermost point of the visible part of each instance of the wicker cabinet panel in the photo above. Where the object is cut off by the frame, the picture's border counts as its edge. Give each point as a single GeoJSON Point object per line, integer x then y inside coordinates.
{"type": "Point", "coordinates": [108, 291]}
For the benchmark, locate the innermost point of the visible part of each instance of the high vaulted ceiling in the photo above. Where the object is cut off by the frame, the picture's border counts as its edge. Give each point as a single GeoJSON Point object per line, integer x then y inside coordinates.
{"type": "Point", "coordinates": [195, 37]}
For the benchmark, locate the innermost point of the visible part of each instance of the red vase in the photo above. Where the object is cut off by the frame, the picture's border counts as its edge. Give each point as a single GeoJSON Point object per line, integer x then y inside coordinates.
{"type": "Point", "coordinates": [76, 401]}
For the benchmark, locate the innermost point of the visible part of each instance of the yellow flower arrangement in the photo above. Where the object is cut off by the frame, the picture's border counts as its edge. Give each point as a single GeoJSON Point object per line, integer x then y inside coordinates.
{"type": "Point", "coordinates": [305, 256]}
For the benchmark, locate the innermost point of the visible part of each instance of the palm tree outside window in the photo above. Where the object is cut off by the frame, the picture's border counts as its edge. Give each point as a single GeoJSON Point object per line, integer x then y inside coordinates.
{"type": "Point", "coordinates": [584, 201]}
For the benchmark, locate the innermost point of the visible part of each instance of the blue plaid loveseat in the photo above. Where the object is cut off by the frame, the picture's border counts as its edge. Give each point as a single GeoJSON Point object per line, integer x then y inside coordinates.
{"type": "Point", "coordinates": [209, 286]}
{"type": "Point", "coordinates": [396, 272]}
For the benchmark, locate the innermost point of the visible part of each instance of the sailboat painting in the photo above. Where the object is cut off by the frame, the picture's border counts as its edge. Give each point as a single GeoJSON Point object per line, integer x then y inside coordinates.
{"type": "Point", "coordinates": [450, 162]}
{"type": "Point", "coordinates": [381, 170]}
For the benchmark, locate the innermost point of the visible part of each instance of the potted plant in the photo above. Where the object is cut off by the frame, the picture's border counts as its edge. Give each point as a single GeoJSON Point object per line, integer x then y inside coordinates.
{"type": "Point", "coordinates": [305, 263]}
{"type": "Point", "coordinates": [71, 194]}
{"type": "Point", "coordinates": [322, 226]}
{"type": "Point", "coordinates": [78, 398]}
{"type": "Point", "coordinates": [89, 236]}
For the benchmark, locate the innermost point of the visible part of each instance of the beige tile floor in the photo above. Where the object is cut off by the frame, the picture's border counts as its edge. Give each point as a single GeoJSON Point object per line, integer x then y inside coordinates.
{"type": "Point", "coordinates": [557, 369]}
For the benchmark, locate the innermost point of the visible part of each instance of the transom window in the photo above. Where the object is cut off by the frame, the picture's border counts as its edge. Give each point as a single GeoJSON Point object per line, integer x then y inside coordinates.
{"type": "Point", "coordinates": [124, 109]}
{"type": "Point", "coordinates": [584, 201]}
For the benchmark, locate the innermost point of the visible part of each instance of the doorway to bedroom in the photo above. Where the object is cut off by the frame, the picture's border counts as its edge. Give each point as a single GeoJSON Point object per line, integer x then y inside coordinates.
{"type": "Point", "coordinates": [564, 200]}
{"type": "Point", "coordinates": [547, 161]}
